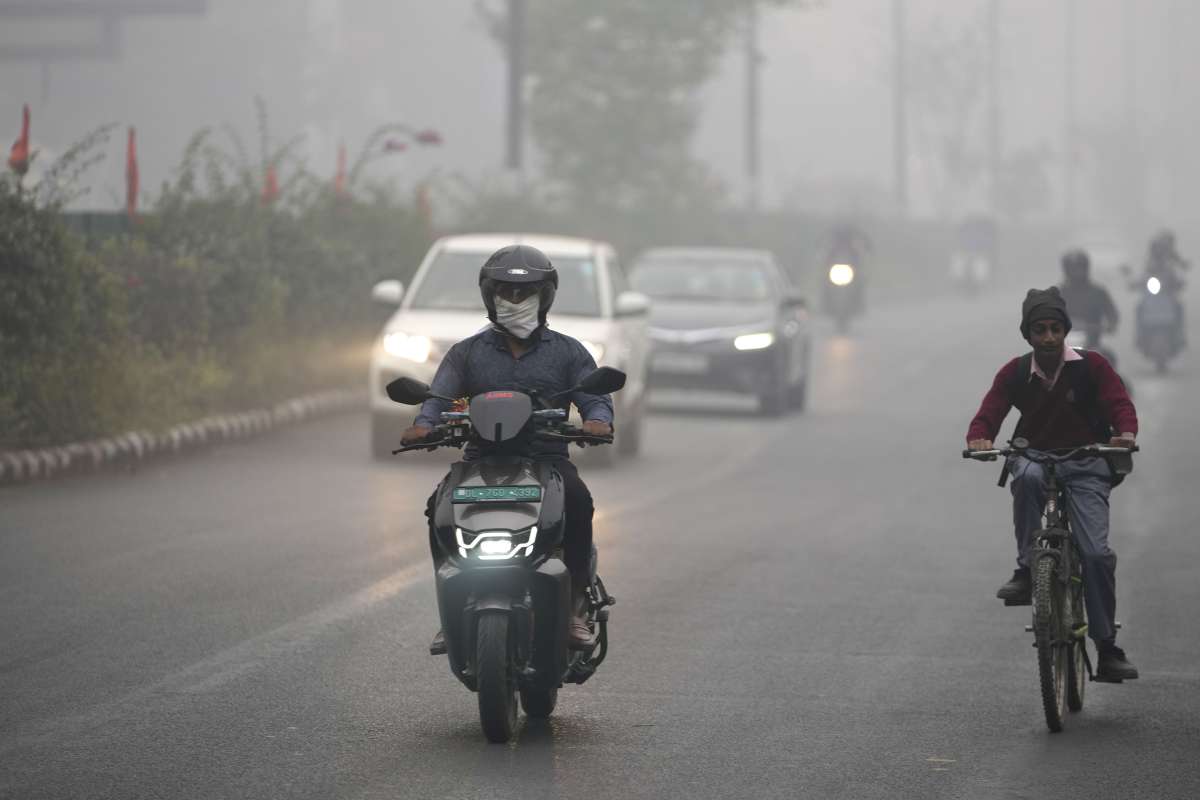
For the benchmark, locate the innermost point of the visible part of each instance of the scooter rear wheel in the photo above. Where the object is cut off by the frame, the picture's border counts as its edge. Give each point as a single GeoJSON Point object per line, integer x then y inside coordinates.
{"type": "Point", "coordinates": [494, 679]}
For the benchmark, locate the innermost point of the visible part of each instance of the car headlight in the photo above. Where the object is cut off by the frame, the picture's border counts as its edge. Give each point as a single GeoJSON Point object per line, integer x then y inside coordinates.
{"type": "Point", "coordinates": [412, 348]}
{"type": "Point", "coordinates": [594, 349]}
{"type": "Point", "coordinates": [1154, 286]}
{"type": "Point", "coordinates": [496, 545]}
{"type": "Point", "coordinates": [841, 274]}
{"type": "Point", "coordinates": [754, 341]}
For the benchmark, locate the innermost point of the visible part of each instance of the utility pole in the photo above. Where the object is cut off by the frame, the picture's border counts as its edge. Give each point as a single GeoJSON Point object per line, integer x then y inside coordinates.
{"type": "Point", "coordinates": [516, 82]}
{"type": "Point", "coordinates": [753, 109]}
{"type": "Point", "coordinates": [993, 141]}
{"type": "Point", "coordinates": [1070, 132]}
{"type": "Point", "coordinates": [1137, 166]}
{"type": "Point", "coordinates": [900, 107]}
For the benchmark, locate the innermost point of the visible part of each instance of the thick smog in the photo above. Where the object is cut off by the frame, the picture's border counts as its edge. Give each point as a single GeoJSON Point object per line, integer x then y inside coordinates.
{"type": "Point", "coordinates": [663, 398]}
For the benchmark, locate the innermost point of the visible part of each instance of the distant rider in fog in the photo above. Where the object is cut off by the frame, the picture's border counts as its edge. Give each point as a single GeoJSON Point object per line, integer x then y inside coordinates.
{"type": "Point", "coordinates": [1089, 304]}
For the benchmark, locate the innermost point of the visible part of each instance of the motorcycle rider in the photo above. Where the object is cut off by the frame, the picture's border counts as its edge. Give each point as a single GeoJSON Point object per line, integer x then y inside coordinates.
{"type": "Point", "coordinates": [1088, 303]}
{"type": "Point", "coordinates": [1164, 262]}
{"type": "Point", "coordinates": [1066, 398]}
{"type": "Point", "coordinates": [518, 351]}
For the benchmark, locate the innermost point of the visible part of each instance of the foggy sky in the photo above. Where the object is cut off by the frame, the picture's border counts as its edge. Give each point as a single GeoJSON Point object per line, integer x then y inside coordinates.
{"type": "Point", "coordinates": [337, 69]}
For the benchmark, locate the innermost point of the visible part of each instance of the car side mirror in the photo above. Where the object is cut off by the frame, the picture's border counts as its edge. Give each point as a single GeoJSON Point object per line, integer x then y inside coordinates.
{"type": "Point", "coordinates": [408, 391]}
{"type": "Point", "coordinates": [389, 292]}
{"type": "Point", "coordinates": [631, 304]}
{"type": "Point", "coordinates": [602, 380]}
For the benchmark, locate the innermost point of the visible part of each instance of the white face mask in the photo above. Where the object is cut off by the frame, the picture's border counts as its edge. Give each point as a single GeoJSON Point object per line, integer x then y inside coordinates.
{"type": "Point", "coordinates": [519, 319]}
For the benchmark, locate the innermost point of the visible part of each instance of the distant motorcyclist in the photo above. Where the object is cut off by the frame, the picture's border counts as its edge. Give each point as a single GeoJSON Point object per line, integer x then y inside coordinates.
{"type": "Point", "coordinates": [1067, 399]}
{"type": "Point", "coordinates": [519, 352]}
{"type": "Point", "coordinates": [1089, 304]}
{"type": "Point", "coordinates": [1164, 262]}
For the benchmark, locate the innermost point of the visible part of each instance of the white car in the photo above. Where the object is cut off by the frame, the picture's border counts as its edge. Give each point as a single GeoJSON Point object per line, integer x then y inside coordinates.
{"type": "Point", "coordinates": [593, 304]}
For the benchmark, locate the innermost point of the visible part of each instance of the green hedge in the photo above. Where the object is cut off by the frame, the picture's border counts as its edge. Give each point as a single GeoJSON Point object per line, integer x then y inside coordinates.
{"type": "Point", "coordinates": [211, 302]}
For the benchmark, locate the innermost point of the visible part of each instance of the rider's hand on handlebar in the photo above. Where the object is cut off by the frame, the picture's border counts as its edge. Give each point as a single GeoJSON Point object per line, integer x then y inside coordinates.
{"type": "Point", "coordinates": [1123, 440]}
{"type": "Point", "coordinates": [415, 435]}
{"type": "Point", "coordinates": [594, 427]}
{"type": "Point", "coordinates": [980, 444]}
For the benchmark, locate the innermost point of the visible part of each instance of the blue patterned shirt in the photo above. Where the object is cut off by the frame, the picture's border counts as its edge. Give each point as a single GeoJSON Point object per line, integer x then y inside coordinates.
{"type": "Point", "coordinates": [484, 363]}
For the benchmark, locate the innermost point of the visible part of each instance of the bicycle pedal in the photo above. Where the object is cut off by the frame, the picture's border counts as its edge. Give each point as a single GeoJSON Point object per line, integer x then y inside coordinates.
{"type": "Point", "coordinates": [1018, 601]}
{"type": "Point", "coordinates": [1102, 679]}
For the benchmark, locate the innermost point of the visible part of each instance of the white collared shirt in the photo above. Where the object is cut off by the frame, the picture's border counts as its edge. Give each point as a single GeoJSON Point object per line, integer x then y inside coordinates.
{"type": "Point", "coordinates": [1069, 354]}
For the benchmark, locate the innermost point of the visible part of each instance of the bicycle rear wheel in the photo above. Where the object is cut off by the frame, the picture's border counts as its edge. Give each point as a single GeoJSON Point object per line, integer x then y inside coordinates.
{"type": "Point", "coordinates": [1053, 646]}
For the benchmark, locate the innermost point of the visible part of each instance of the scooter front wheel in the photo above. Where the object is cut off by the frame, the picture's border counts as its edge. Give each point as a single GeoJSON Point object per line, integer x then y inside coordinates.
{"type": "Point", "coordinates": [494, 678]}
{"type": "Point", "coordinates": [539, 703]}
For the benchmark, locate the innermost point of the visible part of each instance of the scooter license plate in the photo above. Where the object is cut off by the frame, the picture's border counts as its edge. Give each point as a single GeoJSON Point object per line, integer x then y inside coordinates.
{"type": "Point", "coordinates": [497, 494]}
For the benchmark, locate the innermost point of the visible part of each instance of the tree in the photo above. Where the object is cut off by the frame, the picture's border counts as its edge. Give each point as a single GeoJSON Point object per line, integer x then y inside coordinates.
{"type": "Point", "coordinates": [612, 96]}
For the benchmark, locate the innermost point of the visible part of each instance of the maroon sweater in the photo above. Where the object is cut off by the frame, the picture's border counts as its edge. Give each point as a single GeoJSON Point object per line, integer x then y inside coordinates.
{"type": "Point", "coordinates": [1051, 418]}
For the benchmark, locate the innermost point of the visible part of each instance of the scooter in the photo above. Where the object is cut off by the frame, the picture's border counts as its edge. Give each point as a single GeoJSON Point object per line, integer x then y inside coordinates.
{"type": "Point", "coordinates": [1159, 334]}
{"type": "Point", "coordinates": [504, 593]}
{"type": "Point", "coordinates": [843, 295]}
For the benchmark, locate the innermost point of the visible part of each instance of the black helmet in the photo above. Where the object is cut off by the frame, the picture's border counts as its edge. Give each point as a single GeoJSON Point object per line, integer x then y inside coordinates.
{"type": "Point", "coordinates": [1076, 264]}
{"type": "Point", "coordinates": [518, 263]}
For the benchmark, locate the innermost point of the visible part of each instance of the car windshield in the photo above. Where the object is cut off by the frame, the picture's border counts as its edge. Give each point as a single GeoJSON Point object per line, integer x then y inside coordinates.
{"type": "Point", "coordinates": [718, 280]}
{"type": "Point", "coordinates": [452, 284]}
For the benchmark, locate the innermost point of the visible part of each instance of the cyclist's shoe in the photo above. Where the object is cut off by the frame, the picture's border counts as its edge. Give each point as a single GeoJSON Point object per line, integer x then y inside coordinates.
{"type": "Point", "coordinates": [1017, 590]}
{"type": "Point", "coordinates": [1114, 667]}
{"type": "Point", "coordinates": [438, 646]}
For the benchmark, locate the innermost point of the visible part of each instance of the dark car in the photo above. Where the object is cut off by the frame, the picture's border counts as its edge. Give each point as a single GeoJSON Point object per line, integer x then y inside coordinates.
{"type": "Point", "coordinates": [726, 319]}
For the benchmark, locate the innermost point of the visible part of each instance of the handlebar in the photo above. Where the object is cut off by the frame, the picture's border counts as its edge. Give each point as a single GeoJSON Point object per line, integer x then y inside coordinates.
{"type": "Point", "coordinates": [1086, 451]}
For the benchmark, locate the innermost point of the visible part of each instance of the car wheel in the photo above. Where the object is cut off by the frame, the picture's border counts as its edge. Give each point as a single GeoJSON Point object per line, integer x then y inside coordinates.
{"type": "Point", "coordinates": [798, 394]}
{"type": "Point", "coordinates": [773, 398]}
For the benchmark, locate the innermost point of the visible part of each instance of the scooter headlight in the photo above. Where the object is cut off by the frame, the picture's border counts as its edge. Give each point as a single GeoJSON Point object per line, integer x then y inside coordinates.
{"type": "Point", "coordinates": [1153, 285]}
{"type": "Point", "coordinates": [841, 274]}
{"type": "Point", "coordinates": [496, 545]}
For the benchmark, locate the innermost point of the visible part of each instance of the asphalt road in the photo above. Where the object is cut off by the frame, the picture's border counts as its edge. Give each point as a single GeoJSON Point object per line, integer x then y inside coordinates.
{"type": "Point", "coordinates": [805, 609]}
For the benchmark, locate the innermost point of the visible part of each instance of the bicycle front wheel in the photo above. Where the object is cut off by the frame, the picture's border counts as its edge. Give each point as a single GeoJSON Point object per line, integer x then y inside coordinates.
{"type": "Point", "coordinates": [1053, 647]}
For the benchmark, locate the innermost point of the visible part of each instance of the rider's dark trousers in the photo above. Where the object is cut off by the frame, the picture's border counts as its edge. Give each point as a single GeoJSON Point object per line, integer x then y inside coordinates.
{"type": "Point", "coordinates": [1088, 484]}
{"type": "Point", "coordinates": [577, 538]}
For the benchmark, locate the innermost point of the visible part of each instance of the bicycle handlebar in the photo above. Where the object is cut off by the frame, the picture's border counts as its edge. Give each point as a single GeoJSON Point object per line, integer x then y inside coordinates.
{"type": "Point", "coordinates": [1086, 451]}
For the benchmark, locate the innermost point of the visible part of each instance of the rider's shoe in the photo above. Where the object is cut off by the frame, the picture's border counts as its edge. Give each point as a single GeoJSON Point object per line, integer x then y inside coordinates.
{"type": "Point", "coordinates": [1114, 667]}
{"type": "Point", "coordinates": [438, 646]}
{"type": "Point", "coordinates": [1018, 589]}
{"type": "Point", "coordinates": [581, 636]}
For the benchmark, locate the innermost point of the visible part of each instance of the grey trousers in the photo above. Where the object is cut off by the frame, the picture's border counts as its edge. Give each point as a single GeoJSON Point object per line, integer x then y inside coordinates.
{"type": "Point", "coordinates": [1088, 486]}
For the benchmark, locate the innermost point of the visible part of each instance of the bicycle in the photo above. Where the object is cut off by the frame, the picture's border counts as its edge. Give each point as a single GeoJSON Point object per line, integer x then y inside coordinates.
{"type": "Point", "coordinates": [1059, 622]}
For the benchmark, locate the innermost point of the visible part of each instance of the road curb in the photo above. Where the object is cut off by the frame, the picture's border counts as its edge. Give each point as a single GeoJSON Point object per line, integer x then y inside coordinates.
{"type": "Point", "coordinates": [130, 449]}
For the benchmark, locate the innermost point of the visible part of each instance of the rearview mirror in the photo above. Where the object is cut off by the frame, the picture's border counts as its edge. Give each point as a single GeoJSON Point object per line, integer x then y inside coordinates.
{"type": "Point", "coordinates": [389, 292]}
{"type": "Point", "coordinates": [603, 380]}
{"type": "Point", "coordinates": [631, 304]}
{"type": "Point", "coordinates": [408, 391]}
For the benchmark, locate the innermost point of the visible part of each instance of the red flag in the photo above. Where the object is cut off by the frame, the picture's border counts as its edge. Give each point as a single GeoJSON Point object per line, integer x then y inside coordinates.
{"type": "Point", "coordinates": [270, 191]}
{"type": "Point", "coordinates": [19, 157]}
{"type": "Point", "coordinates": [429, 136]}
{"type": "Point", "coordinates": [339, 180]}
{"type": "Point", "coordinates": [132, 181]}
